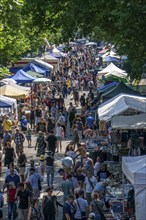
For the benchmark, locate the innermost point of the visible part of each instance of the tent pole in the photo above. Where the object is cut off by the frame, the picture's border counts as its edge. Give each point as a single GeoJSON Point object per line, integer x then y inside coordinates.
{"type": "Point", "coordinates": [123, 191]}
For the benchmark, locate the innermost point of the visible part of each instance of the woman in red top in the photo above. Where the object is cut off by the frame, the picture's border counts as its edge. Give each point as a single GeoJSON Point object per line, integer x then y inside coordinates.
{"type": "Point", "coordinates": [12, 205]}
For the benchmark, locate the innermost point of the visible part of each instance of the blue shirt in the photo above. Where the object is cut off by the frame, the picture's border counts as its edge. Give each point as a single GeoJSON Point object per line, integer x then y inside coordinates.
{"type": "Point", "coordinates": [15, 179]}
{"type": "Point", "coordinates": [90, 121]}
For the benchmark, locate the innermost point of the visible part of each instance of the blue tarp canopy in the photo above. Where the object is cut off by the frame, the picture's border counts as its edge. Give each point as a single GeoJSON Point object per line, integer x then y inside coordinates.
{"type": "Point", "coordinates": [107, 86]}
{"type": "Point", "coordinates": [54, 55]}
{"type": "Point", "coordinates": [14, 69]}
{"type": "Point", "coordinates": [34, 68]}
{"type": "Point", "coordinates": [4, 104]}
{"type": "Point", "coordinates": [22, 77]}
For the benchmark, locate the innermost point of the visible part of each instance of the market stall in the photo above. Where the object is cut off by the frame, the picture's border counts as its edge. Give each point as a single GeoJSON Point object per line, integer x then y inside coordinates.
{"type": "Point", "coordinates": [134, 168]}
{"type": "Point", "coordinates": [9, 107]}
{"type": "Point", "coordinates": [120, 104]}
{"type": "Point", "coordinates": [10, 91]}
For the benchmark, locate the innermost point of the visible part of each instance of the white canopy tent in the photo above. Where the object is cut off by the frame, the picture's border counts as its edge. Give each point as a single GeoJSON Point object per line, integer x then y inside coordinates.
{"type": "Point", "coordinates": [43, 64]}
{"type": "Point", "coordinates": [119, 104]}
{"type": "Point", "coordinates": [116, 74]}
{"type": "Point", "coordinates": [129, 122]}
{"type": "Point", "coordinates": [142, 82]}
{"type": "Point", "coordinates": [110, 68]}
{"type": "Point", "coordinates": [134, 169]}
{"type": "Point", "coordinates": [10, 101]}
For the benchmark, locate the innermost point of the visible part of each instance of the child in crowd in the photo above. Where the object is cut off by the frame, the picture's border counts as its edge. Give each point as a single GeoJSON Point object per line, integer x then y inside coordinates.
{"type": "Point", "coordinates": [29, 135]}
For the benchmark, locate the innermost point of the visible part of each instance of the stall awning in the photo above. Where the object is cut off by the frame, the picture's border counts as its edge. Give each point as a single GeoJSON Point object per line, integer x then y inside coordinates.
{"type": "Point", "coordinates": [134, 169]}
{"type": "Point", "coordinates": [119, 104]}
{"type": "Point", "coordinates": [10, 91]}
{"type": "Point", "coordinates": [129, 122]}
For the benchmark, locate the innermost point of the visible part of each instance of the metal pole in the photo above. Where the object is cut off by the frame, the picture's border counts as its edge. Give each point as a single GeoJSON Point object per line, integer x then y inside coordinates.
{"type": "Point", "coordinates": [123, 191]}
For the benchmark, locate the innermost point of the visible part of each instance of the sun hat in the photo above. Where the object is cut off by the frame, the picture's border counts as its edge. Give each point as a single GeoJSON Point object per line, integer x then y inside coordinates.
{"type": "Point", "coordinates": [42, 157]}
{"type": "Point", "coordinates": [40, 133]}
{"type": "Point", "coordinates": [92, 215]}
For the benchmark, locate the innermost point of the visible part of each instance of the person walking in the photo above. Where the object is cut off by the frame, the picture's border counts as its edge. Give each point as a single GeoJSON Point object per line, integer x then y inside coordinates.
{"type": "Point", "coordinates": [19, 140]}
{"type": "Point", "coordinates": [69, 209]}
{"type": "Point", "coordinates": [40, 144]}
{"type": "Point", "coordinates": [35, 180]}
{"type": "Point", "coordinates": [11, 200]}
{"type": "Point", "coordinates": [81, 205]}
{"type": "Point", "coordinates": [35, 211]}
{"type": "Point", "coordinates": [22, 164]}
{"type": "Point", "coordinates": [59, 135]}
{"type": "Point", "coordinates": [49, 205]}
{"type": "Point", "coordinates": [51, 141]}
{"type": "Point", "coordinates": [23, 196]}
{"type": "Point", "coordinates": [49, 161]}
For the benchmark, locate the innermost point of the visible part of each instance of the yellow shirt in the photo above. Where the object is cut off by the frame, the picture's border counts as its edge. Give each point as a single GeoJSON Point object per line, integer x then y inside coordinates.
{"type": "Point", "coordinates": [68, 83]}
{"type": "Point", "coordinates": [7, 124]}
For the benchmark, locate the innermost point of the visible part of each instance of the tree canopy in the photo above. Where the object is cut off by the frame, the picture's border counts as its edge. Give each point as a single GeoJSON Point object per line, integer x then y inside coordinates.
{"type": "Point", "coordinates": [119, 22]}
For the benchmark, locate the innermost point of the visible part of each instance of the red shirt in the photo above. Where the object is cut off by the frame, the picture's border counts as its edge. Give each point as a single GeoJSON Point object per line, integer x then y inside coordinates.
{"type": "Point", "coordinates": [11, 195]}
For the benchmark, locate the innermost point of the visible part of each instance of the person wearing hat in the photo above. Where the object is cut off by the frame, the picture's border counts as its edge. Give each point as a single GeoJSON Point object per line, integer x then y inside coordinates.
{"type": "Point", "coordinates": [23, 123]}
{"type": "Point", "coordinates": [101, 188]}
{"type": "Point", "coordinates": [91, 216]}
{"type": "Point", "coordinates": [49, 205]}
{"type": "Point", "coordinates": [49, 162]}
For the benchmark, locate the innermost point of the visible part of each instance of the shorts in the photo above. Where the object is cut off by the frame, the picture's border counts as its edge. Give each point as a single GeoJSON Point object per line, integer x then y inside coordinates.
{"type": "Point", "coordinates": [28, 138]}
{"type": "Point", "coordinates": [21, 170]}
{"type": "Point", "coordinates": [59, 138]}
{"type": "Point", "coordinates": [18, 147]}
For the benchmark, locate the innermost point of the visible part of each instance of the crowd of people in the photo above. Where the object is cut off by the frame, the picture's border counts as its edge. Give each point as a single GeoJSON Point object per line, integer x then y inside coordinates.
{"type": "Point", "coordinates": [50, 120]}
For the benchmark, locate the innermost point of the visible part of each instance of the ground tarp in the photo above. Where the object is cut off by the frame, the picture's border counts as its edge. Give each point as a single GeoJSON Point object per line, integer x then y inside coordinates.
{"type": "Point", "coordinates": [134, 169]}
{"type": "Point", "coordinates": [119, 104]}
{"type": "Point", "coordinates": [110, 68]}
{"type": "Point", "coordinates": [22, 77]}
{"type": "Point", "coordinates": [129, 122]}
{"type": "Point", "coordinates": [120, 88]}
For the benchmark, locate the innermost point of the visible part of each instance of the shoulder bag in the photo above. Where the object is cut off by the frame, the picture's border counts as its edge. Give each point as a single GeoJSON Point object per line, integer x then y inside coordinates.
{"type": "Point", "coordinates": [83, 213]}
{"type": "Point", "coordinates": [91, 184]}
{"type": "Point", "coordinates": [100, 212]}
{"type": "Point", "coordinates": [39, 184]}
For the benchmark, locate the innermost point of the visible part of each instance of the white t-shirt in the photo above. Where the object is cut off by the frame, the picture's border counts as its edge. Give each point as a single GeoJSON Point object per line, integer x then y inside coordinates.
{"type": "Point", "coordinates": [97, 167]}
{"type": "Point", "coordinates": [71, 154]}
{"type": "Point", "coordinates": [89, 188]}
{"type": "Point", "coordinates": [59, 131]}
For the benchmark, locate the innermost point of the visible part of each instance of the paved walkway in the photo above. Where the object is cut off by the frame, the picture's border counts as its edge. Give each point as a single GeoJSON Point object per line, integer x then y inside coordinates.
{"type": "Point", "coordinates": [31, 154]}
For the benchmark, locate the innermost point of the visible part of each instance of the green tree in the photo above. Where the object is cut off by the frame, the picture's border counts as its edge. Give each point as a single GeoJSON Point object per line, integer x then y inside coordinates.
{"type": "Point", "coordinates": [120, 22]}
